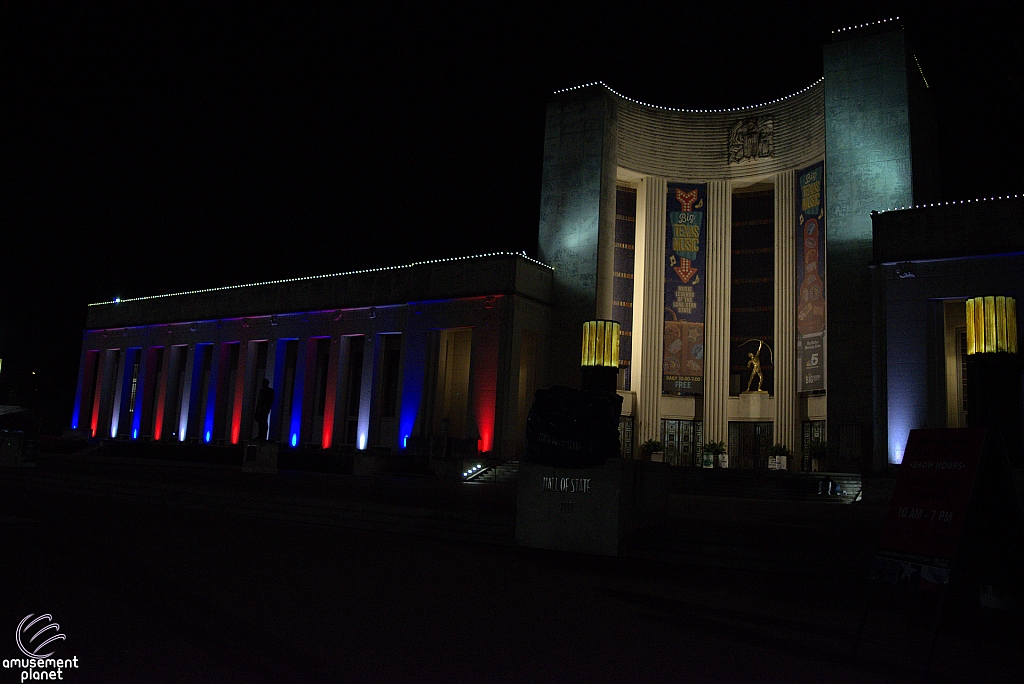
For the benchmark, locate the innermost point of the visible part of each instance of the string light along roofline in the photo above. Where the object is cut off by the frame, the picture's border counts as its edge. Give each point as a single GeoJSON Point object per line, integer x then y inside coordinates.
{"type": "Point", "coordinates": [949, 204]}
{"type": "Point", "coordinates": [921, 71]}
{"type": "Point", "coordinates": [521, 255]}
{"type": "Point", "coordinates": [683, 109]}
{"type": "Point", "coordinates": [869, 24]}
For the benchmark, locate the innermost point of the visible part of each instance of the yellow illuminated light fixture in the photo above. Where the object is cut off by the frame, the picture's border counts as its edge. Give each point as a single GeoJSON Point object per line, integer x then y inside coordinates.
{"type": "Point", "coordinates": [601, 344]}
{"type": "Point", "coordinates": [991, 325]}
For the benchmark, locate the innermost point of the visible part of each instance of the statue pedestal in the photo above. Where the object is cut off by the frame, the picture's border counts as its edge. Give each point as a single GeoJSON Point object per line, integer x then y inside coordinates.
{"type": "Point", "coordinates": [589, 510]}
{"type": "Point", "coordinates": [754, 406]}
{"type": "Point", "coordinates": [260, 457]}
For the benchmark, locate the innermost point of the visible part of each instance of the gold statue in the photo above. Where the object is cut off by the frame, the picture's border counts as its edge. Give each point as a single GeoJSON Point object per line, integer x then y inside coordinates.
{"type": "Point", "coordinates": [754, 363]}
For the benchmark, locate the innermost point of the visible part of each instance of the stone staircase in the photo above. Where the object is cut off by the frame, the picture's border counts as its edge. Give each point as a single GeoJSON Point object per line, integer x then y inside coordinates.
{"type": "Point", "coordinates": [839, 487]}
{"type": "Point", "coordinates": [500, 472]}
{"type": "Point", "coordinates": [767, 485]}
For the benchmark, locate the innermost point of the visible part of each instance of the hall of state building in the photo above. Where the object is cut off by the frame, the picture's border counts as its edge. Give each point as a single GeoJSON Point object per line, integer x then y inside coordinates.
{"type": "Point", "coordinates": [713, 238]}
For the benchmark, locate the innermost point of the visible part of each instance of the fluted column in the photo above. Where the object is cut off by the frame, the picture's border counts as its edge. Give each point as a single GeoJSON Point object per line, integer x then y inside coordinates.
{"type": "Point", "coordinates": [160, 401]}
{"type": "Point", "coordinates": [717, 304]}
{"type": "Point", "coordinates": [119, 399]}
{"type": "Point", "coordinates": [102, 406]}
{"type": "Point", "coordinates": [292, 432]}
{"type": "Point", "coordinates": [241, 420]}
{"type": "Point", "coordinates": [82, 388]}
{"type": "Point", "coordinates": [334, 356]}
{"type": "Point", "coordinates": [186, 394]}
{"type": "Point", "coordinates": [370, 353]}
{"type": "Point", "coordinates": [141, 389]}
{"type": "Point", "coordinates": [648, 305]}
{"type": "Point", "coordinates": [785, 309]}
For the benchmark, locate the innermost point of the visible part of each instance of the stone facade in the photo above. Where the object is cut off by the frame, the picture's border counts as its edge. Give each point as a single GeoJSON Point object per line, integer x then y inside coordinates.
{"type": "Point", "coordinates": [857, 120]}
{"type": "Point", "coordinates": [388, 359]}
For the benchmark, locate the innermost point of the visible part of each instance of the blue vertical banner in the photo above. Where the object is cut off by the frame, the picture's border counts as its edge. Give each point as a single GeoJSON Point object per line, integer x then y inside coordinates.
{"type": "Point", "coordinates": [810, 278]}
{"type": "Point", "coordinates": [685, 247]}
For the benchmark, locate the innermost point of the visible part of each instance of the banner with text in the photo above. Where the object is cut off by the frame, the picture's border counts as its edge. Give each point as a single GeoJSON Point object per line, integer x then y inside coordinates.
{"type": "Point", "coordinates": [929, 507]}
{"type": "Point", "coordinates": [810, 278]}
{"type": "Point", "coordinates": [685, 245]}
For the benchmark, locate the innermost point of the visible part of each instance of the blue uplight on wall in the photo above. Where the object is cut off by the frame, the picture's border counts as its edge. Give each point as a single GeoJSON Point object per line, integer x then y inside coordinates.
{"type": "Point", "coordinates": [414, 367]}
{"type": "Point", "coordinates": [138, 358]}
{"type": "Point", "coordinates": [295, 439]}
{"type": "Point", "coordinates": [210, 400]}
{"type": "Point", "coordinates": [78, 408]}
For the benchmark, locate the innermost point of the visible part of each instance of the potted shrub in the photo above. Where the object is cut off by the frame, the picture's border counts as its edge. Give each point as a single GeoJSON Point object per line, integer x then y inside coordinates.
{"type": "Point", "coordinates": [715, 452]}
{"type": "Point", "coordinates": [652, 450]}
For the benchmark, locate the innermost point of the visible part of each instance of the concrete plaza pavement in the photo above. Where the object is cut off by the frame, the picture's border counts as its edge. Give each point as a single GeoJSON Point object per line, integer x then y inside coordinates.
{"type": "Point", "coordinates": [173, 574]}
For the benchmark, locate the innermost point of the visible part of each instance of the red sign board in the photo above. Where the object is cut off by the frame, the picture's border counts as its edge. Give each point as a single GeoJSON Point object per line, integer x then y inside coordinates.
{"type": "Point", "coordinates": [929, 503]}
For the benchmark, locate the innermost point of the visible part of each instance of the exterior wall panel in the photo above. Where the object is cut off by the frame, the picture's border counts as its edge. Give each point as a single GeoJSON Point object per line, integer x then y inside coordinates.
{"type": "Point", "coordinates": [694, 146]}
{"type": "Point", "coordinates": [210, 402]}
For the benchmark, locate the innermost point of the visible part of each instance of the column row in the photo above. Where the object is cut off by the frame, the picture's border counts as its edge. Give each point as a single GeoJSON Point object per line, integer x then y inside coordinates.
{"type": "Point", "coordinates": [719, 402]}
{"type": "Point", "coordinates": [207, 391]}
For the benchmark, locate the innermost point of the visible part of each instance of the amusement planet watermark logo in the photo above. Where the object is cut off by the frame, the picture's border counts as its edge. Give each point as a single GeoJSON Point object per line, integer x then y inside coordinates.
{"type": "Point", "coordinates": [34, 636]}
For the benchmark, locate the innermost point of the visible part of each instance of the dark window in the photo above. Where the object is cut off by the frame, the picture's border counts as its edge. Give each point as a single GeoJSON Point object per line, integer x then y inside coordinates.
{"type": "Point", "coordinates": [752, 315]}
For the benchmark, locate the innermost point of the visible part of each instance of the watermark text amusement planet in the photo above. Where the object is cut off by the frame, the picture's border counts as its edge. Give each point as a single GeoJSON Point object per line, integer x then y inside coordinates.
{"type": "Point", "coordinates": [35, 634]}
{"type": "Point", "coordinates": [41, 669]}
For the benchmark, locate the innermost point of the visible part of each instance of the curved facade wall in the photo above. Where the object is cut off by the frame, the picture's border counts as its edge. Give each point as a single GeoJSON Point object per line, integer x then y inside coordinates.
{"type": "Point", "coordinates": [598, 140]}
{"type": "Point", "coordinates": [695, 145]}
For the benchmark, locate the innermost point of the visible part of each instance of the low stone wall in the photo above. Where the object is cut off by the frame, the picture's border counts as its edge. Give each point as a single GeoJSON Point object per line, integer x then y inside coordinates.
{"type": "Point", "coordinates": [589, 510]}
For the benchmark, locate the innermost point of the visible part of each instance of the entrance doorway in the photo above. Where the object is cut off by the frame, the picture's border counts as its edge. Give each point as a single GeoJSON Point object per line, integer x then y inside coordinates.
{"type": "Point", "coordinates": [682, 440]}
{"type": "Point", "coordinates": [748, 445]}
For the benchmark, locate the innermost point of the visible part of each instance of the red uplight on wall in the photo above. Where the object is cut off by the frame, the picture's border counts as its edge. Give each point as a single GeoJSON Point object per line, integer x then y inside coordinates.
{"type": "Point", "coordinates": [485, 394]}
{"type": "Point", "coordinates": [236, 423]}
{"type": "Point", "coordinates": [95, 418]}
{"type": "Point", "coordinates": [485, 421]}
{"type": "Point", "coordinates": [328, 435]}
{"type": "Point", "coordinates": [158, 417]}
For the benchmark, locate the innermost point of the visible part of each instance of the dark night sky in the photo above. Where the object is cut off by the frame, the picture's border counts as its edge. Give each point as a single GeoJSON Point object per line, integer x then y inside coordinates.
{"type": "Point", "coordinates": [153, 148]}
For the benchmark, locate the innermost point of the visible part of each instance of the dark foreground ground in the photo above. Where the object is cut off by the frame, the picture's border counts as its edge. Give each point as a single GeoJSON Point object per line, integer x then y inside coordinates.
{"type": "Point", "coordinates": [173, 574]}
